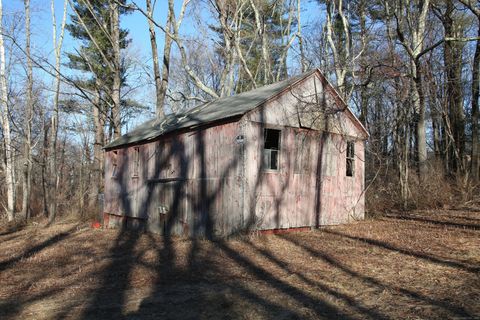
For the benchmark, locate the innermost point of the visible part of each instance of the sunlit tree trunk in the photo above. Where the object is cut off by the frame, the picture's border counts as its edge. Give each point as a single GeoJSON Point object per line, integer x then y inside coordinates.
{"type": "Point", "coordinates": [27, 145]}
{"type": "Point", "coordinates": [161, 83]}
{"type": "Point", "coordinates": [8, 162]}
{"type": "Point", "coordinates": [53, 175]}
{"type": "Point", "coordinates": [364, 78]}
{"type": "Point", "coordinates": [418, 100]}
{"type": "Point", "coordinates": [303, 60]}
{"type": "Point", "coordinates": [117, 81]}
{"type": "Point", "coordinates": [231, 40]}
{"type": "Point", "coordinates": [341, 50]}
{"type": "Point", "coordinates": [411, 34]}
{"type": "Point", "coordinates": [176, 23]}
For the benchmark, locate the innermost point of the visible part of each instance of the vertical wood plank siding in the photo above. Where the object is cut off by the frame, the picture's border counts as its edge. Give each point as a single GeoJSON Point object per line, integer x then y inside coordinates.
{"type": "Point", "coordinates": [210, 181]}
{"type": "Point", "coordinates": [187, 184]}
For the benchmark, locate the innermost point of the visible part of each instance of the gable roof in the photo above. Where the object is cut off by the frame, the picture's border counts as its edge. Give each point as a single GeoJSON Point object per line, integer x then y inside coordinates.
{"type": "Point", "coordinates": [219, 109]}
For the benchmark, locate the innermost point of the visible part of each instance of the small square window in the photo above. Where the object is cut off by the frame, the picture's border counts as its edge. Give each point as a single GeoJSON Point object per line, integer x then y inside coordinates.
{"type": "Point", "coordinates": [350, 158]}
{"type": "Point", "coordinates": [271, 149]}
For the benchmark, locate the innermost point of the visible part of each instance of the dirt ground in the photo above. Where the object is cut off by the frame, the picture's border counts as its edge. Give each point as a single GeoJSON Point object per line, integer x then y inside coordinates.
{"type": "Point", "coordinates": [418, 266]}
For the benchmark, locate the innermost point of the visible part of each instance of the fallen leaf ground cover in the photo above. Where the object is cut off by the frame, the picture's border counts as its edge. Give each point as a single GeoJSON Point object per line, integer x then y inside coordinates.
{"type": "Point", "coordinates": [422, 265]}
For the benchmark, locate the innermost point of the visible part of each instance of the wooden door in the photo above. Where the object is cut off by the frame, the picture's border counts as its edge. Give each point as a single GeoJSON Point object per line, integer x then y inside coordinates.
{"type": "Point", "coordinates": [168, 215]}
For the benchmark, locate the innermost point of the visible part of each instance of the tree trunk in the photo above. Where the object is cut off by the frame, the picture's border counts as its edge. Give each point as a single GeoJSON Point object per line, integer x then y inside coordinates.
{"type": "Point", "coordinates": [436, 135]}
{"type": "Point", "coordinates": [8, 162]}
{"type": "Point", "coordinates": [338, 27]}
{"type": "Point", "coordinates": [404, 17]}
{"type": "Point", "coordinates": [156, 68]}
{"type": "Point", "coordinates": [230, 30]}
{"type": "Point", "coordinates": [117, 81]}
{"type": "Point", "coordinates": [453, 74]}
{"type": "Point", "coordinates": [53, 175]}
{"type": "Point", "coordinates": [260, 30]}
{"type": "Point", "coordinates": [98, 154]}
{"type": "Point", "coordinates": [27, 146]}
{"type": "Point", "coordinates": [176, 22]}
{"type": "Point", "coordinates": [45, 165]}
{"type": "Point", "coordinates": [419, 107]}
{"type": "Point", "coordinates": [475, 164]}
{"type": "Point", "coordinates": [363, 65]}
{"type": "Point", "coordinates": [303, 60]}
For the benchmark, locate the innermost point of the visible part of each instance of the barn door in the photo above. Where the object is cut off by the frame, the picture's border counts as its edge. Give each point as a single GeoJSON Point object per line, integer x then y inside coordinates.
{"type": "Point", "coordinates": [169, 214]}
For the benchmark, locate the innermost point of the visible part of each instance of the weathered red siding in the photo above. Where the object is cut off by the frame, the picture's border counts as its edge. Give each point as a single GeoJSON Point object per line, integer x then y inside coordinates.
{"type": "Point", "coordinates": [187, 183]}
{"type": "Point", "coordinates": [210, 181]}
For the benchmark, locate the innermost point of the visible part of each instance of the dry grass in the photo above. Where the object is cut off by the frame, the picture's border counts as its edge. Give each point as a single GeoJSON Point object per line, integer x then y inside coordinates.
{"type": "Point", "coordinates": [425, 265]}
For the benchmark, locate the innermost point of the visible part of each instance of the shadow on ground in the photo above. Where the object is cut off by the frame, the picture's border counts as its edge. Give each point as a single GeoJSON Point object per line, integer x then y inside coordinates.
{"type": "Point", "coordinates": [386, 268]}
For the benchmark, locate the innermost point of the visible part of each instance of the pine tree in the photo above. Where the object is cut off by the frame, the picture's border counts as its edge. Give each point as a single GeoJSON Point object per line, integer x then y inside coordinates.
{"type": "Point", "coordinates": [268, 30]}
{"type": "Point", "coordinates": [96, 24]}
{"type": "Point", "coordinates": [272, 17]}
{"type": "Point", "coordinates": [93, 19]}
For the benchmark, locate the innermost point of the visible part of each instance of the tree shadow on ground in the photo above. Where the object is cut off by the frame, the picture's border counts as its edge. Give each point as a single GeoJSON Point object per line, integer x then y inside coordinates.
{"type": "Point", "coordinates": [207, 284]}
{"type": "Point", "coordinates": [408, 252]}
{"type": "Point", "coordinates": [11, 305]}
{"type": "Point", "coordinates": [445, 223]}
{"type": "Point", "coordinates": [37, 248]}
{"type": "Point", "coordinates": [454, 309]}
{"type": "Point", "coordinates": [217, 278]}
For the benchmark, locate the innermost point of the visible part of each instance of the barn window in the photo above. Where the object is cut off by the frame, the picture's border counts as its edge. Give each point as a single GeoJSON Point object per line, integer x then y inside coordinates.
{"type": "Point", "coordinates": [271, 148]}
{"type": "Point", "coordinates": [136, 161]}
{"type": "Point", "coordinates": [114, 164]}
{"type": "Point", "coordinates": [350, 158]}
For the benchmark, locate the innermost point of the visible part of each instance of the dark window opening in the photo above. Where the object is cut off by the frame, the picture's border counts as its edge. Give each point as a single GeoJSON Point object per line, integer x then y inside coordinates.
{"type": "Point", "coordinates": [350, 158]}
{"type": "Point", "coordinates": [136, 161]}
{"type": "Point", "coordinates": [114, 164]}
{"type": "Point", "coordinates": [271, 149]}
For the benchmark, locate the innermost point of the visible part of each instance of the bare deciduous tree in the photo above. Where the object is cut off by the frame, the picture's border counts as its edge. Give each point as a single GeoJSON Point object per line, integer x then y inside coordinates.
{"type": "Point", "coordinates": [7, 163]}
{"type": "Point", "coordinates": [411, 20]}
{"type": "Point", "coordinates": [53, 174]}
{"type": "Point", "coordinates": [27, 146]}
{"type": "Point", "coordinates": [475, 153]}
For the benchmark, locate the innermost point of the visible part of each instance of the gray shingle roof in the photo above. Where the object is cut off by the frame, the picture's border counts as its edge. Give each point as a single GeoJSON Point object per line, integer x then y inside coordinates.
{"type": "Point", "coordinates": [222, 108]}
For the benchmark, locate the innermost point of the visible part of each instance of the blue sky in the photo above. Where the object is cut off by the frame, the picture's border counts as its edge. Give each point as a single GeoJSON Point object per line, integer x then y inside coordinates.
{"type": "Point", "coordinates": [135, 22]}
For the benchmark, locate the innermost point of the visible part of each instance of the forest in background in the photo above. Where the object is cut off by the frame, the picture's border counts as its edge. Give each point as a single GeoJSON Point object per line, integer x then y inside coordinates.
{"type": "Point", "coordinates": [408, 69]}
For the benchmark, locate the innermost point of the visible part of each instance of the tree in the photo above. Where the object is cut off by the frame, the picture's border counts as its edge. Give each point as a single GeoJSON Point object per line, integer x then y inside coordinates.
{"type": "Point", "coordinates": [27, 162]}
{"type": "Point", "coordinates": [453, 58]}
{"type": "Point", "coordinates": [53, 174]}
{"type": "Point", "coordinates": [340, 42]}
{"type": "Point", "coordinates": [410, 23]}
{"type": "Point", "coordinates": [161, 83]}
{"type": "Point", "coordinates": [97, 24]}
{"type": "Point", "coordinates": [7, 163]}
{"type": "Point", "coordinates": [475, 153]}
{"type": "Point", "coordinates": [264, 27]}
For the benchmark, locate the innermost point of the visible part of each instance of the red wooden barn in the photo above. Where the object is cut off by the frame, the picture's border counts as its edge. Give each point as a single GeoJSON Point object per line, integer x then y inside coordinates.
{"type": "Point", "coordinates": [286, 155]}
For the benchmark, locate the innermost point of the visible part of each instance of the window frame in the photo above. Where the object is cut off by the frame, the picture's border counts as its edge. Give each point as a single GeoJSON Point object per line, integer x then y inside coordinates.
{"type": "Point", "coordinates": [350, 159]}
{"type": "Point", "coordinates": [278, 150]}
{"type": "Point", "coordinates": [136, 162]}
{"type": "Point", "coordinates": [114, 164]}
